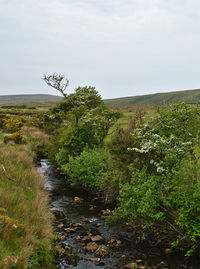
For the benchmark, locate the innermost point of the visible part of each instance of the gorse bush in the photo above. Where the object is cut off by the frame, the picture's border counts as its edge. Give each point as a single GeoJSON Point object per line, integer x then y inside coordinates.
{"type": "Point", "coordinates": [12, 125]}
{"type": "Point", "coordinates": [15, 137]}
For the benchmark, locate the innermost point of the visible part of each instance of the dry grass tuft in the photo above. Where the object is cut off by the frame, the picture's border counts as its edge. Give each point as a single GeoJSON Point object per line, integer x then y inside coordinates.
{"type": "Point", "coordinates": [35, 133]}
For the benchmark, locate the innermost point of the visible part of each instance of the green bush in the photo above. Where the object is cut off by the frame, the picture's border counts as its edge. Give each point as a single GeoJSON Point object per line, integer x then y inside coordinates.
{"type": "Point", "coordinates": [88, 169]}
{"type": "Point", "coordinates": [167, 204]}
{"type": "Point", "coordinates": [90, 132]}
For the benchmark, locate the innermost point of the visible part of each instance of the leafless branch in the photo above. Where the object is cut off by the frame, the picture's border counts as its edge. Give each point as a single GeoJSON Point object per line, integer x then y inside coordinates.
{"type": "Point", "coordinates": [58, 82]}
{"type": "Point", "coordinates": [5, 173]}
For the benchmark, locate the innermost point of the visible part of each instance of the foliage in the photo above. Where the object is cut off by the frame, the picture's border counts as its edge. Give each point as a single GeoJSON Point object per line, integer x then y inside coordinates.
{"type": "Point", "coordinates": [91, 133]}
{"type": "Point", "coordinates": [120, 141]}
{"type": "Point", "coordinates": [51, 122]}
{"type": "Point", "coordinates": [12, 125]}
{"type": "Point", "coordinates": [88, 169]}
{"type": "Point", "coordinates": [73, 108]}
{"type": "Point", "coordinates": [164, 191]}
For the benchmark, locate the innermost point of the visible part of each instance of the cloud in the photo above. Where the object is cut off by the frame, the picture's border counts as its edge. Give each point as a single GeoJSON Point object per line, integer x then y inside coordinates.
{"type": "Point", "coordinates": [123, 47]}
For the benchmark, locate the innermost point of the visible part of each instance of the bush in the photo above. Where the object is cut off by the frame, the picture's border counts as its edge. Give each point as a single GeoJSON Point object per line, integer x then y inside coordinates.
{"type": "Point", "coordinates": [16, 137]}
{"type": "Point", "coordinates": [88, 169]}
{"type": "Point", "coordinates": [12, 125]}
{"type": "Point", "coordinates": [167, 204]}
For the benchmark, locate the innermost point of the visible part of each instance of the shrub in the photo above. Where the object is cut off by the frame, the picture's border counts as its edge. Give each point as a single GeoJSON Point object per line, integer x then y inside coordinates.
{"type": "Point", "coordinates": [88, 169]}
{"type": "Point", "coordinates": [164, 192]}
{"type": "Point", "coordinates": [139, 201]}
{"type": "Point", "coordinates": [167, 204]}
{"type": "Point", "coordinates": [16, 137]}
{"type": "Point", "coordinates": [12, 125]}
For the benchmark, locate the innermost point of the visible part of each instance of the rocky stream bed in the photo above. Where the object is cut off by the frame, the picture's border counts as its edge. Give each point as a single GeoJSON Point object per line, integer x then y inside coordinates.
{"type": "Point", "coordinates": [83, 241]}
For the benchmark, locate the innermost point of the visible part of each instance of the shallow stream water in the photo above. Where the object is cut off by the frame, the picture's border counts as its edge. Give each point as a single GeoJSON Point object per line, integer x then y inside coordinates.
{"type": "Point", "coordinates": [83, 221]}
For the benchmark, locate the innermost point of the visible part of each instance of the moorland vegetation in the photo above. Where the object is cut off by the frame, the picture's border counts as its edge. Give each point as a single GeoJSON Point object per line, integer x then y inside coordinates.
{"type": "Point", "coordinates": [25, 220]}
{"type": "Point", "coordinates": [150, 168]}
{"type": "Point", "coordinates": [144, 160]}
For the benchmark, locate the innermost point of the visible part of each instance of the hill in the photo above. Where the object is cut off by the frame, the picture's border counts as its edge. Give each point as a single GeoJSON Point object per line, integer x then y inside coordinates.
{"type": "Point", "coordinates": [187, 96]}
{"type": "Point", "coordinates": [28, 98]}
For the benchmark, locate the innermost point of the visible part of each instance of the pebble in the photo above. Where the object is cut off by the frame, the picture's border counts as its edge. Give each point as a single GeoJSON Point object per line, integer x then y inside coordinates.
{"type": "Point", "coordinates": [132, 265]}
{"type": "Point", "coordinates": [60, 225]}
{"type": "Point", "coordinates": [101, 252]}
{"type": "Point", "coordinates": [96, 260]}
{"type": "Point", "coordinates": [78, 200]}
{"type": "Point", "coordinates": [97, 238]}
{"type": "Point", "coordinates": [70, 230]}
{"type": "Point", "coordinates": [92, 246]}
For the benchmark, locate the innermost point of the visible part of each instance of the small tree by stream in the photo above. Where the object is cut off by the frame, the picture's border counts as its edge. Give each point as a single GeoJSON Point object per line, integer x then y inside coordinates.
{"type": "Point", "coordinates": [80, 120]}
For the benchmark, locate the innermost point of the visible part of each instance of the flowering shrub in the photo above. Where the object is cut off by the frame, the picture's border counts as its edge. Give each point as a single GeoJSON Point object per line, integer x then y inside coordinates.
{"type": "Point", "coordinates": [163, 195]}
{"type": "Point", "coordinates": [12, 125]}
{"type": "Point", "coordinates": [16, 137]}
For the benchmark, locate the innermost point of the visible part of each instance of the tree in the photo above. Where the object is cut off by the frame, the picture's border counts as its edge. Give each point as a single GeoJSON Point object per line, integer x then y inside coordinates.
{"type": "Point", "coordinates": [75, 105]}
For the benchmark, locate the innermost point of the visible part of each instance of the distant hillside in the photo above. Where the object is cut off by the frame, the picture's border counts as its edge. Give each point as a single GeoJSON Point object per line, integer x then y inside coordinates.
{"type": "Point", "coordinates": [188, 96]}
{"type": "Point", "coordinates": [28, 98]}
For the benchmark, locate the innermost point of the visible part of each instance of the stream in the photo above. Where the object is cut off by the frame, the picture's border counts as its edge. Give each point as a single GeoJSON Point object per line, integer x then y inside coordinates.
{"type": "Point", "coordinates": [81, 231]}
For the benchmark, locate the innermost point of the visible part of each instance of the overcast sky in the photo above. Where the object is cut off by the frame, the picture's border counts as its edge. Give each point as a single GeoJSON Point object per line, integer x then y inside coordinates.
{"type": "Point", "coordinates": [122, 47]}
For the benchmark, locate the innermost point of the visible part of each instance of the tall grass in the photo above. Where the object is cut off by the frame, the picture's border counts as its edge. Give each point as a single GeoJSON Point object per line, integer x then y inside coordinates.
{"type": "Point", "coordinates": [25, 219]}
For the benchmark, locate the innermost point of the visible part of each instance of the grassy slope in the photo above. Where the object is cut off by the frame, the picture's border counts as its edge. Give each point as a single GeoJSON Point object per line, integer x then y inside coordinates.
{"type": "Point", "coordinates": [28, 98]}
{"type": "Point", "coordinates": [25, 220]}
{"type": "Point", "coordinates": [190, 96]}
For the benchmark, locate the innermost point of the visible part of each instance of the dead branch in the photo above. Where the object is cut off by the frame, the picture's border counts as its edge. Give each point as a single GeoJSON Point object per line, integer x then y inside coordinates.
{"type": "Point", "coordinates": [5, 173]}
{"type": "Point", "coordinates": [58, 82]}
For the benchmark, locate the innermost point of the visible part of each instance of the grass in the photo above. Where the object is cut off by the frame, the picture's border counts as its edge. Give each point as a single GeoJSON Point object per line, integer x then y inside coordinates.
{"type": "Point", "coordinates": [25, 218]}
{"type": "Point", "coordinates": [127, 112]}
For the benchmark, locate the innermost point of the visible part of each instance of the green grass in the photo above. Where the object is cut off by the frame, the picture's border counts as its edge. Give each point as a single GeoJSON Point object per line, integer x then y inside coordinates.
{"type": "Point", "coordinates": [127, 112]}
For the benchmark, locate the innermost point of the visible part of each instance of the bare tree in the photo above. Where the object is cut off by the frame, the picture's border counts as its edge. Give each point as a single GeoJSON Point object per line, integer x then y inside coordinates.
{"type": "Point", "coordinates": [58, 82]}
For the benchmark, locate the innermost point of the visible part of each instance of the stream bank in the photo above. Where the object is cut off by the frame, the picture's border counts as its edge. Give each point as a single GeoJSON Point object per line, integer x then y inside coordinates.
{"type": "Point", "coordinates": [84, 242]}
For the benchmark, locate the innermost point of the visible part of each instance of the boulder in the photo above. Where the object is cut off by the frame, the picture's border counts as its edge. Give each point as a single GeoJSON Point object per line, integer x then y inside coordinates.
{"type": "Point", "coordinates": [58, 214]}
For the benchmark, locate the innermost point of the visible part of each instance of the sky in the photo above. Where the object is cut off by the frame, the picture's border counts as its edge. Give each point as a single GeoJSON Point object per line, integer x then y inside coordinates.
{"type": "Point", "coordinates": [122, 47]}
